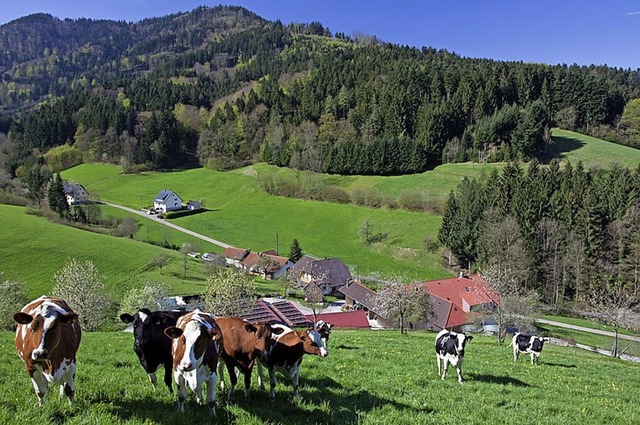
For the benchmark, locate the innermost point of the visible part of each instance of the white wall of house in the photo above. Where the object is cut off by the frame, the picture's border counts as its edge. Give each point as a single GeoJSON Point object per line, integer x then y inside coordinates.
{"type": "Point", "coordinates": [170, 203]}
{"type": "Point", "coordinates": [283, 271]}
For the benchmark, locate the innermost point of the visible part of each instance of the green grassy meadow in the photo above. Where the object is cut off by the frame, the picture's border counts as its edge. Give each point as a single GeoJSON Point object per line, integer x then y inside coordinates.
{"type": "Point", "coordinates": [369, 377]}
{"type": "Point", "coordinates": [240, 214]}
{"type": "Point", "coordinates": [34, 249]}
{"type": "Point", "coordinates": [574, 147]}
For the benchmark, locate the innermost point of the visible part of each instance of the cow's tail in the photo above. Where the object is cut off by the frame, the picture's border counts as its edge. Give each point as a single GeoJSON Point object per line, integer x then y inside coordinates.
{"type": "Point", "coordinates": [513, 339]}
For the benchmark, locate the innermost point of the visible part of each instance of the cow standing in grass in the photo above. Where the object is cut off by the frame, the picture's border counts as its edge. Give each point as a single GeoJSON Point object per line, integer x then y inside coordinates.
{"type": "Point", "coordinates": [450, 349]}
{"type": "Point", "coordinates": [527, 344]}
{"type": "Point", "coordinates": [286, 356]}
{"type": "Point", "coordinates": [197, 343]}
{"type": "Point", "coordinates": [47, 339]}
{"type": "Point", "coordinates": [244, 343]}
{"type": "Point", "coordinates": [150, 343]}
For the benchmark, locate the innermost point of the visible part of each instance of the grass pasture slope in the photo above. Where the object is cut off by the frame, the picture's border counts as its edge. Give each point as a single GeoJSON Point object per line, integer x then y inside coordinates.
{"type": "Point", "coordinates": [240, 214]}
{"type": "Point", "coordinates": [369, 378]}
{"type": "Point", "coordinates": [33, 249]}
{"type": "Point", "coordinates": [574, 147]}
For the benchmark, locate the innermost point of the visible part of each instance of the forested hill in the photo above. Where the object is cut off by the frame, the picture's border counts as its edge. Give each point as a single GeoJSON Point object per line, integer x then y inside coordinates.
{"type": "Point", "coordinates": [222, 87]}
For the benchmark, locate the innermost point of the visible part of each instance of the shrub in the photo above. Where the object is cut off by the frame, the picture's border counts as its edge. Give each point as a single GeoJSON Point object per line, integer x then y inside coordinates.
{"type": "Point", "coordinates": [150, 296]}
{"type": "Point", "coordinates": [12, 300]}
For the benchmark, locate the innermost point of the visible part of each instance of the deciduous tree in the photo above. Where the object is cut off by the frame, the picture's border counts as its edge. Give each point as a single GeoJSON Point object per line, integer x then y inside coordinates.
{"type": "Point", "coordinates": [229, 292]}
{"type": "Point", "coordinates": [83, 288]}
{"type": "Point", "coordinates": [403, 302]}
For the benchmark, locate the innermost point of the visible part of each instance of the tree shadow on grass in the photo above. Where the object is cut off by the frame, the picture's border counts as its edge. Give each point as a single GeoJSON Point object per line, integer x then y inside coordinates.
{"type": "Point", "coordinates": [560, 148]}
{"type": "Point", "coordinates": [503, 380]}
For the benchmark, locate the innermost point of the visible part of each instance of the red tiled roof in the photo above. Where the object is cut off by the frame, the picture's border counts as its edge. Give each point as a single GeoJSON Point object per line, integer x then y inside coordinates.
{"type": "Point", "coordinates": [345, 319]}
{"type": "Point", "coordinates": [250, 260]}
{"type": "Point", "coordinates": [471, 289]}
{"type": "Point", "coordinates": [235, 253]}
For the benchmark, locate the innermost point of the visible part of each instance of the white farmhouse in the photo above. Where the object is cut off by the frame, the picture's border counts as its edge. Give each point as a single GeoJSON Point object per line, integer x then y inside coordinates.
{"type": "Point", "coordinates": [167, 200]}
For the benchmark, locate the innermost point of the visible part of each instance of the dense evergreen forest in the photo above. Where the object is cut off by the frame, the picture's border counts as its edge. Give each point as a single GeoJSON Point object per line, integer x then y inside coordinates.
{"type": "Point", "coordinates": [563, 232]}
{"type": "Point", "coordinates": [221, 87]}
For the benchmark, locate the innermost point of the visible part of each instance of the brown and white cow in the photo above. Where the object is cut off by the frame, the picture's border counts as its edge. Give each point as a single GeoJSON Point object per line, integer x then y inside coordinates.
{"type": "Point", "coordinates": [197, 342]}
{"type": "Point", "coordinates": [286, 356]}
{"type": "Point", "coordinates": [244, 343]}
{"type": "Point", "coordinates": [47, 339]}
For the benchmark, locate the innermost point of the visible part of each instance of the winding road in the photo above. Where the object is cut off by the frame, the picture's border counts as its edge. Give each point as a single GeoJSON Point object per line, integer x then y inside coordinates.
{"type": "Point", "coordinates": [157, 219]}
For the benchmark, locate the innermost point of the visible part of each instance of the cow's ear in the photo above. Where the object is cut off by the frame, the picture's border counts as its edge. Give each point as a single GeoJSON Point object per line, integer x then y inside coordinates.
{"type": "Point", "coordinates": [251, 328]}
{"type": "Point", "coordinates": [215, 333]}
{"type": "Point", "coordinates": [22, 318]}
{"type": "Point", "coordinates": [277, 330]}
{"type": "Point", "coordinates": [469, 338]}
{"type": "Point", "coordinates": [173, 332]}
{"type": "Point", "coordinates": [126, 318]}
{"type": "Point", "coordinates": [69, 318]}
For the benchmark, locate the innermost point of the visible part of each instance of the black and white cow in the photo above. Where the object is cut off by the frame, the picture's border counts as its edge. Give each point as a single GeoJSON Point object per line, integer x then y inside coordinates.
{"type": "Point", "coordinates": [527, 344]}
{"type": "Point", "coordinates": [150, 343]}
{"type": "Point", "coordinates": [324, 329]}
{"type": "Point", "coordinates": [450, 349]}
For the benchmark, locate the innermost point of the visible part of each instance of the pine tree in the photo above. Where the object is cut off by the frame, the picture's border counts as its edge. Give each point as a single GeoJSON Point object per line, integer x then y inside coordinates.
{"type": "Point", "coordinates": [295, 253]}
{"type": "Point", "coordinates": [56, 197]}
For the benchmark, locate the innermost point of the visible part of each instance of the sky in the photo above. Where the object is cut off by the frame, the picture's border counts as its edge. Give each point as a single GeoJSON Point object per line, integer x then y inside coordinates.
{"type": "Point", "coordinates": [600, 32]}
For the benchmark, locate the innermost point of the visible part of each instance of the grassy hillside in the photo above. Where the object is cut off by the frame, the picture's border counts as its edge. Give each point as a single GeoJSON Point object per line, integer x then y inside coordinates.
{"type": "Point", "coordinates": [592, 152]}
{"type": "Point", "coordinates": [242, 215]}
{"type": "Point", "coordinates": [368, 378]}
{"type": "Point", "coordinates": [33, 249]}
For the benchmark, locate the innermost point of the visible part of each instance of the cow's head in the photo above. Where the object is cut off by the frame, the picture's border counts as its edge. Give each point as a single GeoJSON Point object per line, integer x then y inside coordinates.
{"type": "Point", "coordinates": [190, 339]}
{"type": "Point", "coordinates": [148, 326]}
{"type": "Point", "coordinates": [312, 343]}
{"type": "Point", "coordinates": [460, 342]}
{"type": "Point", "coordinates": [324, 328]}
{"type": "Point", "coordinates": [537, 343]}
{"type": "Point", "coordinates": [264, 341]}
{"type": "Point", "coordinates": [42, 327]}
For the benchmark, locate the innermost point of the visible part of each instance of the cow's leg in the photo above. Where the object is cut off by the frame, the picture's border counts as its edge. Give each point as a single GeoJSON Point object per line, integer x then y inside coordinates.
{"type": "Point", "coordinates": [516, 354]}
{"type": "Point", "coordinates": [247, 383]}
{"type": "Point", "coordinates": [68, 386]}
{"type": "Point", "coordinates": [445, 366]}
{"type": "Point", "coordinates": [39, 385]}
{"type": "Point", "coordinates": [167, 376]}
{"type": "Point", "coordinates": [260, 376]}
{"type": "Point", "coordinates": [221, 366]}
{"type": "Point", "coordinates": [273, 381]}
{"type": "Point", "coordinates": [211, 394]}
{"type": "Point", "coordinates": [459, 370]}
{"type": "Point", "coordinates": [153, 379]}
{"type": "Point", "coordinates": [295, 380]}
{"type": "Point", "coordinates": [182, 392]}
{"type": "Point", "coordinates": [438, 360]}
{"type": "Point", "coordinates": [233, 380]}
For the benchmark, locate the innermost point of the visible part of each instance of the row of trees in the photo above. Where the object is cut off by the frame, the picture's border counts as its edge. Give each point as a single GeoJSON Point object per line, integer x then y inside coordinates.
{"type": "Point", "coordinates": [558, 231]}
